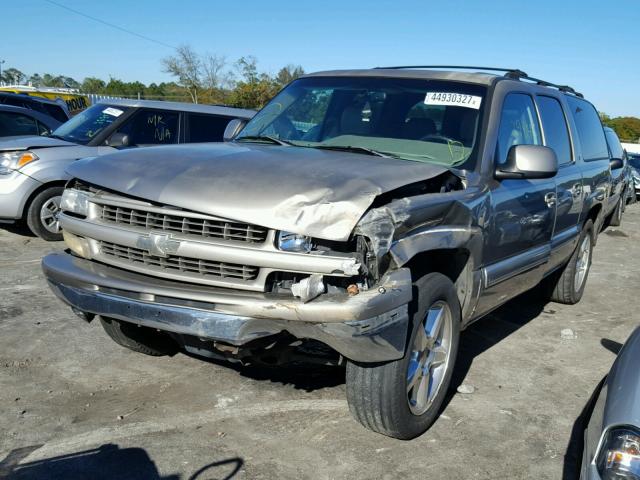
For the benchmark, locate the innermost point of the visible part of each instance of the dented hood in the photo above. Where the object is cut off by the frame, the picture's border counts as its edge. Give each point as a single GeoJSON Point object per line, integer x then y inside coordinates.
{"type": "Point", "coordinates": [304, 190]}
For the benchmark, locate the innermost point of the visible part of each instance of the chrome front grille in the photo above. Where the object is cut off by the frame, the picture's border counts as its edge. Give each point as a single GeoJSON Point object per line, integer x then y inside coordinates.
{"type": "Point", "coordinates": [204, 268]}
{"type": "Point", "coordinates": [210, 228]}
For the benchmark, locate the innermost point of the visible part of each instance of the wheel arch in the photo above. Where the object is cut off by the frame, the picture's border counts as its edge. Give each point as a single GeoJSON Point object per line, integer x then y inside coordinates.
{"type": "Point", "coordinates": [455, 264]}
{"type": "Point", "coordinates": [455, 251]}
{"type": "Point", "coordinates": [41, 188]}
{"type": "Point", "coordinates": [594, 214]}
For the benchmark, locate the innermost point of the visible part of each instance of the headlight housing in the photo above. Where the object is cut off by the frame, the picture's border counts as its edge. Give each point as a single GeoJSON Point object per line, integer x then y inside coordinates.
{"type": "Point", "coordinates": [74, 201]}
{"type": "Point", "coordinates": [293, 242]}
{"type": "Point", "coordinates": [78, 245]}
{"type": "Point", "coordinates": [619, 455]}
{"type": "Point", "coordinates": [10, 161]}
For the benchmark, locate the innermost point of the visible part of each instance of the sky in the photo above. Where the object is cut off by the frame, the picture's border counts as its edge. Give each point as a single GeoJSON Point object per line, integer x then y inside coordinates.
{"type": "Point", "coordinates": [593, 46]}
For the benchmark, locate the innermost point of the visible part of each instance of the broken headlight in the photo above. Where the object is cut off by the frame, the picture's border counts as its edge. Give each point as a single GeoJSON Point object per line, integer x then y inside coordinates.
{"type": "Point", "coordinates": [619, 456]}
{"type": "Point", "coordinates": [74, 201]}
{"type": "Point", "coordinates": [293, 242]}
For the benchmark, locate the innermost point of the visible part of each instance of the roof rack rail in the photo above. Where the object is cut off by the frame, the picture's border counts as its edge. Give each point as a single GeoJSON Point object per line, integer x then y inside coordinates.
{"type": "Point", "coordinates": [511, 73]}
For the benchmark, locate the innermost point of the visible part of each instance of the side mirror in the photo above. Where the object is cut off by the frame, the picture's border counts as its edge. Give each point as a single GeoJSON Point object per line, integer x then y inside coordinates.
{"type": "Point", "coordinates": [233, 129]}
{"type": "Point", "coordinates": [528, 162]}
{"type": "Point", "coordinates": [118, 140]}
{"type": "Point", "coordinates": [616, 163]}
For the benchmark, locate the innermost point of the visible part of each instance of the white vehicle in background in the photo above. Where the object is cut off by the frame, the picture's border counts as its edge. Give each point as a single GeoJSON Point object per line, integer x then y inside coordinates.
{"type": "Point", "coordinates": [33, 168]}
{"type": "Point", "coordinates": [633, 160]}
{"type": "Point", "coordinates": [631, 147]}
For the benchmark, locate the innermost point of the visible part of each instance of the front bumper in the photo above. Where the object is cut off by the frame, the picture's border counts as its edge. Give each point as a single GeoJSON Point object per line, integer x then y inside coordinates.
{"type": "Point", "coordinates": [369, 327]}
{"type": "Point", "coordinates": [15, 190]}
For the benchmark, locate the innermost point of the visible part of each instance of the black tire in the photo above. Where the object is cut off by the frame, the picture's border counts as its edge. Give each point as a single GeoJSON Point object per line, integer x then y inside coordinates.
{"type": "Point", "coordinates": [378, 394]}
{"type": "Point", "coordinates": [139, 339]}
{"type": "Point", "coordinates": [616, 216]}
{"type": "Point", "coordinates": [34, 210]}
{"type": "Point", "coordinates": [563, 286]}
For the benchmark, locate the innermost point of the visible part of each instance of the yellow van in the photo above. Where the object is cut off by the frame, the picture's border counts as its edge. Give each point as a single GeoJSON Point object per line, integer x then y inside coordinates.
{"type": "Point", "coordinates": [75, 102]}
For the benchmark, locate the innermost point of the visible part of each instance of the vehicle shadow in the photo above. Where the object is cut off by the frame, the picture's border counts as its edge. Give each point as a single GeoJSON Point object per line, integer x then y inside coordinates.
{"type": "Point", "coordinates": [575, 445]}
{"type": "Point", "coordinates": [302, 376]}
{"type": "Point", "coordinates": [477, 338]}
{"type": "Point", "coordinates": [19, 228]}
{"type": "Point", "coordinates": [573, 453]}
{"type": "Point", "coordinates": [492, 329]}
{"type": "Point", "coordinates": [105, 462]}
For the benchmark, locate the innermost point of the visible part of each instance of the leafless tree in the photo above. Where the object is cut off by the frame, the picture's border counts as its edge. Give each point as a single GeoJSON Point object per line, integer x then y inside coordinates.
{"type": "Point", "coordinates": [187, 67]}
{"type": "Point", "coordinates": [215, 75]}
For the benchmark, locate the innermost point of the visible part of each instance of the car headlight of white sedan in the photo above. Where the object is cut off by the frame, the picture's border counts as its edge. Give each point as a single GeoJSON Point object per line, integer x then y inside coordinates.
{"type": "Point", "coordinates": [11, 161]}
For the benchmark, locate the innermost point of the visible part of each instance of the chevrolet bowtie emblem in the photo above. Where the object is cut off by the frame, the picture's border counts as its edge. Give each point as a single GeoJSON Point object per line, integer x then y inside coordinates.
{"type": "Point", "coordinates": [158, 244]}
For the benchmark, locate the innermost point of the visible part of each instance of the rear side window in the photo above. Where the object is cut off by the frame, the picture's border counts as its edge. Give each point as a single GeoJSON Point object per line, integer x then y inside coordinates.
{"type": "Point", "coordinates": [43, 129]}
{"type": "Point", "coordinates": [614, 144]}
{"type": "Point", "coordinates": [152, 127]}
{"type": "Point", "coordinates": [590, 132]}
{"type": "Point", "coordinates": [206, 128]}
{"type": "Point", "coordinates": [554, 125]}
{"type": "Point", "coordinates": [518, 125]}
{"type": "Point", "coordinates": [16, 102]}
{"type": "Point", "coordinates": [17, 124]}
{"type": "Point", "coordinates": [55, 111]}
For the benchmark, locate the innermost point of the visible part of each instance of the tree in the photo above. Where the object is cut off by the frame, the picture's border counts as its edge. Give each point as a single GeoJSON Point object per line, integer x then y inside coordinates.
{"type": "Point", "coordinates": [214, 75]}
{"type": "Point", "coordinates": [627, 128]}
{"type": "Point", "coordinates": [92, 85]}
{"type": "Point", "coordinates": [35, 80]}
{"type": "Point", "coordinates": [207, 78]}
{"type": "Point", "coordinates": [288, 74]}
{"type": "Point", "coordinates": [186, 66]}
{"type": "Point", "coordinates": [13, 76]}
{"type": "Point", "coordinates": [254, 89]}
{"type": "Point", "coordinates": [248, 69]}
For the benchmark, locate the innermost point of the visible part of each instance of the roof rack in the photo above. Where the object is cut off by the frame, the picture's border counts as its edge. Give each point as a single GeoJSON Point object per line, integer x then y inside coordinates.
{"type": "Point", "coordinates": [511, 73]}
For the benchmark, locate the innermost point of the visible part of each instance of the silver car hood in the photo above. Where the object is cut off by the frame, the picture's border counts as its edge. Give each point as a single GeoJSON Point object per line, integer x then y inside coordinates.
{"type": "Point", "coordinates": [303, 190]}
{"type": "Point", "coordinates": [29, 143]}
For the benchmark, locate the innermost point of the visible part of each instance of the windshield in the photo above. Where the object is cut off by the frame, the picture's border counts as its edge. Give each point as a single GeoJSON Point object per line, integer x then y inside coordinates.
{"type": "Point", "coordinates": [87, 124]}
{"type": "Point", "coordinates": [420, 120]}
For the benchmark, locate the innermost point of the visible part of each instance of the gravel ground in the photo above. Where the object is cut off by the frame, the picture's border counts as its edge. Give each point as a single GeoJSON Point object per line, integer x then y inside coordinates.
{"type": "Point", "coordinates": [76, 405]}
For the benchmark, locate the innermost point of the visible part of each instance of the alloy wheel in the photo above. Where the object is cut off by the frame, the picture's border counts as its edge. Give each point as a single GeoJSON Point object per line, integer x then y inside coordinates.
{"type": "Point", "coordinates": [582, 263]}
{"type": "Point", "coordinates": [49, 214]}
{"type": "Point", "coordinates": [429, 357]}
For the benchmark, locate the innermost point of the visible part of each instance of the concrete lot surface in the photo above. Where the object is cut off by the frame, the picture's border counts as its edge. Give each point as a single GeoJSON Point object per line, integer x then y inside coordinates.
{"type": "Point", "coordinates": [73, 404]}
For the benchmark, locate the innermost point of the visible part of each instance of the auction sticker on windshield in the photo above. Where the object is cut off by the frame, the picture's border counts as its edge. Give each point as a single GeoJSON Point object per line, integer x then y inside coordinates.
{"type": "Point", "coordinates": [114, 112]}
{"type": "Point", "coordinates": [453, 99]}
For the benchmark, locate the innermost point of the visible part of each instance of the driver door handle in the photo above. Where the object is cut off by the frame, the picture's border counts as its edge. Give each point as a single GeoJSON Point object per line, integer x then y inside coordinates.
{"type": "Point", "coordinates": [550, 199]}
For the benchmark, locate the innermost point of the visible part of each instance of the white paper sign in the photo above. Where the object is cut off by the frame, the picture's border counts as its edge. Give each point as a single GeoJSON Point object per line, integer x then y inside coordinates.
{"type": "Point", "coordinates": [453, 99]}
{"type": "Point", "coordinates": [114, 112]}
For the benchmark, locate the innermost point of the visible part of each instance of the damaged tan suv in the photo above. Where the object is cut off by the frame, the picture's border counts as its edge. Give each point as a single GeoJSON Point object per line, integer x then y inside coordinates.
{"type": "Point", "coordinates": [362, 217]}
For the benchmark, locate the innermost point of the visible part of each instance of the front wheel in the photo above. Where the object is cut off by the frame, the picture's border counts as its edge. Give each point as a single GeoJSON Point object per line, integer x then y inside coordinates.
{"type": "Point", "coordinates": [139, 339]}
{"type": "Point", "coordinates": [42, 214]}
{"type": "Point", "coordinates": [402, 398]}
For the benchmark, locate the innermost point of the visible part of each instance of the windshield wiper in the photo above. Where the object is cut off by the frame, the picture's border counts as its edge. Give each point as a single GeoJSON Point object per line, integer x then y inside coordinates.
{"type": "Point", "coordinates": [349, 148]}
{"type": "Point", "coordinates": [264, 138]}
{"type": "Point", "coordinates": [51, 135]}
